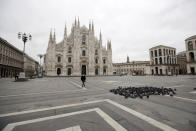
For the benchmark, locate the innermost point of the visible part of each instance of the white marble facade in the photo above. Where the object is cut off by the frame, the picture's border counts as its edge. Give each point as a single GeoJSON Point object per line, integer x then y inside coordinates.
{"type": "Point", "coordinates": [78, 53]}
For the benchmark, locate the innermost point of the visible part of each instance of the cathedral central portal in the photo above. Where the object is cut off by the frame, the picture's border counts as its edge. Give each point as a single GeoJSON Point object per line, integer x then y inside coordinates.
{"type": "Point", "coordinates": [83, 70]}
{"type": "Point", "coordinates": [58, 71]}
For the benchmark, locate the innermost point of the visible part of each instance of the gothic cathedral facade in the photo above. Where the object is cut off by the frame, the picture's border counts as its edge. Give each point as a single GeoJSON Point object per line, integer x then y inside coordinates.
{"type": "Point", "coordinates": [78, 53]}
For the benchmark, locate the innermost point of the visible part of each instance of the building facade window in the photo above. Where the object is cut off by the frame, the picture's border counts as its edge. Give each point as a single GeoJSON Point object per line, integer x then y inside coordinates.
{"type": "Point", "coordinates": [195, 44]}
{"type": "Point", "coordinates": [190, 45]}
{"type": "Point", "coordinates": [160, 53]}
{"type": "Point", "coordinates": [83, 53]}
{"type": "Point", "coordinates": [167, 52]}
{"type": "Point", "coordinates": [69, 50]}
{"type": "Point", "coordinates": [69, 59]}
{"type": "Point", "coordinates": [96, 61]}
{"type": "Point", "coordinates": [96, 52]}
{"type": "Point", "coordinates": [104, 61]}
{"type": "Point", "coordinates": [151, 53]}
{"type": "Point", "coordinates": [59, 59]}
{"type": "Point", "coordinates": [160, 60]}
{"type": "Point", "coordinates": [156, 61]}
{"type": "Point", "coordinates": [83, 39]}
{"type": "Point", "coordinates": [164, 52]}
{"type": "Point", "coordinates": [155, 53]}
{"type": "Point", "coordinates": [191, 55]}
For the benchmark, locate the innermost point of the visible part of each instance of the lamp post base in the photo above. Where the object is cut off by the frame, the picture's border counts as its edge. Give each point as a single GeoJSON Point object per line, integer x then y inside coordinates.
{"type": "Point", "coordinates": [21, 77]}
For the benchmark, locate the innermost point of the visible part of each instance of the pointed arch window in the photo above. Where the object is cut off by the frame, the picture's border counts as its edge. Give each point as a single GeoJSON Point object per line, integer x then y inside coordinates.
{"type": "Point", "coordinates": [59, 59]}
{"type": "Point", "coordinates": [83, 53]}
{"type": "Point", "coordinates": [69, 49]}
{"type": "Point", "coordinates": [96, 61]}
{"type": "Point", "coordinates": [83, 39]}
{"type": "Point", "coordinates": [104, 61]}
{"type": "Point", "coordinates": [96, 52]}
{"type": "Point", "coordinates": [69, 59]}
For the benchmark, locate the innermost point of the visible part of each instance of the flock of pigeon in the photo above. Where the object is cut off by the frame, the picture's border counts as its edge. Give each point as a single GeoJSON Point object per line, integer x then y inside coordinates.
{"type": "Point", "coordinates": [134, 92]}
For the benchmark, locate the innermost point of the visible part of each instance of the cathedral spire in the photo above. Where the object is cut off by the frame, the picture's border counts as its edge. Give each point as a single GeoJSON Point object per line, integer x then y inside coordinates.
{"type": "Point", "coordinates": [109, 45]}
{"type": "Point", "coordinates": [75, 22]}
{"type": "Point", "coordinates": [100, 39]}
{"type": "Point", "coordinates": [50, 40]}
{"type": "Point", "coordinates": [65, 31]}
{"type": "Point", "coordinates": [54, 37]}
{"type": "Point", "coordinates": [78, 22]}
{"type": "Point", "coordinates": [72, 28]}
{"type": "Point", "coordinates": [50, 37]}
{"type": "Point", "coordinates": [100, 36]}
{"type": "Point", "coordinates": [92, 26]}
{"type": "Point", "coordinates": [89, 25]}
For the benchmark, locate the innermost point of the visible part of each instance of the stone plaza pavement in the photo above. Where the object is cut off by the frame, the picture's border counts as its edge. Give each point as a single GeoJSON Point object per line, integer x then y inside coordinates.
{"type": "Point", "coordinates": [61, 104]}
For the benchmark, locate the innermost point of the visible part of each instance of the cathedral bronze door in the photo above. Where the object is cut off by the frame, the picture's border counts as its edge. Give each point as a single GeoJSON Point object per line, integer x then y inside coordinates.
{"type": "Point", "coordinates": [104, 71]}
{"type": "Point", "coordinates": [96, 71]}
{"type": "Point", "coordinates": [192, 70]}
{"type": "Point", "coordinates": [58, 71]}
{"type": "Point", "coordinates": [69, 72]}
{"type": "Point", "coordinates": [83, 70]}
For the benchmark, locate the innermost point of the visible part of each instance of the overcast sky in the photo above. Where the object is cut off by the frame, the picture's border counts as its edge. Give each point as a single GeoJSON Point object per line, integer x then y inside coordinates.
{"type": "Point", "coordinates": [133, 26]}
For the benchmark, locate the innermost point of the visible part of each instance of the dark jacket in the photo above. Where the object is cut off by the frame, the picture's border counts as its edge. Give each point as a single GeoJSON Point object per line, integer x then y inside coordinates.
{"type": "Point", "coordinates": [83, 78]}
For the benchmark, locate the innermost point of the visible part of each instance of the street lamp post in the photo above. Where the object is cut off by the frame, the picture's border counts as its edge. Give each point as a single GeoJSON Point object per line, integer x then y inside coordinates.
{"type": "Point", "coordinates": [133, 68]}
{"type": "Point", "coordinates": [25, 37]}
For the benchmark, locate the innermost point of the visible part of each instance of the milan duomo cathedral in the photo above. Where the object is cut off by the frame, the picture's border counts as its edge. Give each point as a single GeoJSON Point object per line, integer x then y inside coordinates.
{"type": "Point", "coordinates": [79, 53]}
